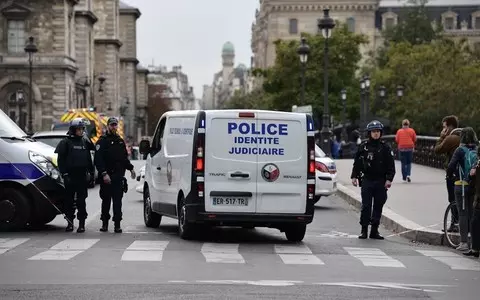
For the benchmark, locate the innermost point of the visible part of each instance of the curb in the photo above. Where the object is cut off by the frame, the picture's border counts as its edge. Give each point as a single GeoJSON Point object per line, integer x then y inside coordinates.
{"type": "Point", "coordinates": [394, 222]}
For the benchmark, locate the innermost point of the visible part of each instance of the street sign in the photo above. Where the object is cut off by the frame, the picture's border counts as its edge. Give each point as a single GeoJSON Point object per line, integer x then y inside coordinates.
{"type": "Point", "coordinates": [307, 109]}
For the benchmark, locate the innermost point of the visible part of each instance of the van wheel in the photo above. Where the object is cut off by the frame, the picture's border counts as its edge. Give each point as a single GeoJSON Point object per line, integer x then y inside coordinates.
{"type": "Point", "coordinates": [45, 218]}
{"type": "Point", "coordinates": [185, 229]}
{"type": "Point", "coordinates": [296, 233]}
{"type": "Point", "coordinates": [151, 218]}
{"type": "Point", "coordinates": [15, 209]}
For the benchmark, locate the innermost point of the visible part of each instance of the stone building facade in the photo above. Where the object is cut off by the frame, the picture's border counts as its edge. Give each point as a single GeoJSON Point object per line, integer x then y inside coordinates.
{"type": "Point", "coordinates": [287, 19]}
{"type": "Point", "coordinates": [79, 42]}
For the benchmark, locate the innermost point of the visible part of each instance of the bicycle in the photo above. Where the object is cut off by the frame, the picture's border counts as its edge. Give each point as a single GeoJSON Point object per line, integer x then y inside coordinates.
{"type": "Point", "coordinates": [451, 229]}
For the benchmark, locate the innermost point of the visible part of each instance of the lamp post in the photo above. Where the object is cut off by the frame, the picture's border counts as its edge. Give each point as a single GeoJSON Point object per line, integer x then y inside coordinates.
{"type": "Point", "coordinates": [303, 51]}
{"type": "Point", "coordinates": [362, 106]}
{"type": "Point", "coordinates": [326, 25]}
{"type": "Point", "coordinates": [31, 49]}
{"type": "Point", "coordinates": [400, 91]}
{"type": "Point", "coordinates": [366, 80]}
{"type": "Point", "coordinates": [343, 94]}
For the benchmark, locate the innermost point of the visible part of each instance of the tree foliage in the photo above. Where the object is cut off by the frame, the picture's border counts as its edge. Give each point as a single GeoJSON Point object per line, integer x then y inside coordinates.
{"type": "Point", "coordinates": [282, 82]}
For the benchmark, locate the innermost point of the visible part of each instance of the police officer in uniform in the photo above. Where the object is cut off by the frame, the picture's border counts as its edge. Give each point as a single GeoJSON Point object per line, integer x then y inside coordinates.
{"type": "Point", "coordinates": [373, 170]}
{"type": "Point", "coordinates": [111, 160]}
{"type": "Point", "coordinates": [76, 167]}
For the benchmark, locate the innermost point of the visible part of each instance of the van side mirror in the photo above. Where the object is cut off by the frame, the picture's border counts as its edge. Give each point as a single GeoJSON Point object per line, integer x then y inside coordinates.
{"type": "Point", "coordinates": [144, 147]}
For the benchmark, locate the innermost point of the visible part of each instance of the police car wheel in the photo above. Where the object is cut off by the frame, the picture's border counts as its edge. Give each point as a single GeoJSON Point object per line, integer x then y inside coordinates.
{"type": "Point", "coordinates": [150, 218]}
{"type": "Point", "coordinates": [185, 229]}
{"type": "Point", "coordinates": [15, 209]}
{"type": "Point", "coordinates": [295, 233]}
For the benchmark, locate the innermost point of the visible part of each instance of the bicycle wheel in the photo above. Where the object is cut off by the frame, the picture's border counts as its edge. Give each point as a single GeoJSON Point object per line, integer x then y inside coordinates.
{"type": "Point", "coordinates": [450, 228]}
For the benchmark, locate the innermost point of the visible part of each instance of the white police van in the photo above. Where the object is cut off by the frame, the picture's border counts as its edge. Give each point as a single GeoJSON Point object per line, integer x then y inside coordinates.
{"type": "Point", "coordinates": [231, 168]}
{"type": "Point", "coordinates": [28, 173]}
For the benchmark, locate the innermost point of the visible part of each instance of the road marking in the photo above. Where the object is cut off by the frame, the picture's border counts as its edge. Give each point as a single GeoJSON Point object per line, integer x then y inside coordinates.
{"type": "Point", "coordinates": [298, 254]}
{"type": "Point", "coordinates": [145, 251]}
{"type": "Point", "coordinates": [252, 282]}
{"type": "Point", "coordinates": [9, 244]}
{"type": "Point", "coordinates": [66, 249]}
{"type": "Point", "coordinates": [222, 253]}
{"type": "Point", "coordinates": [387, 285]}
{"type": "Point", "coordinates": [453, 260]}
{"type": "Point", "coordinates": [373, 257]}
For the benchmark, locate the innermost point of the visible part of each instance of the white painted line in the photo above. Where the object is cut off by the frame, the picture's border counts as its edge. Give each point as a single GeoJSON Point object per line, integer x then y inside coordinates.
{"type": "Point", "coordinates": [9, 244]}
{"type": "Point", "coordinates": [66, 249]}
{"type": "Point", "coordinates": [372, 257]}
{"type": "Point", "coordinates": [301, 259]}
{"type": "Point", "coordinates": [148, 245]}
{"type": "Point", "coordinates": [292, 249]}
{"type": "Point", "coordinates": [222, 253]}
{"type": "Point", "coordinates": [145, 251]}
{"type": "Point", "coordinates": [453, 260]}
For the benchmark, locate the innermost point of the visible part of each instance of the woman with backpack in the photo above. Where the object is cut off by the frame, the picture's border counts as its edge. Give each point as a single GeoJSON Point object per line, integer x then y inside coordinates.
{"type": "Point", "coordinates": [464, 159]}
{"type": "Point", "coordinates": [475, 224]}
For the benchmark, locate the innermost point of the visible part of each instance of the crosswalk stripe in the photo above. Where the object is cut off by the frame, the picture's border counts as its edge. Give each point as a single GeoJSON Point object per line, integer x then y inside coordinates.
{"type": "Point", "coordinates": [145, 251]}
{"type": "Point", "coordinates": [453, 260]}
{"type": "Point", "coordinates": [373, 257]}
{"type": "Point", "coordinates": [298, 254]}
{"type": "Point", "coordinates": [66, 249]}
{"type": "Point", "coordinates": [222, 253]}
{"type": "Point", "coordinates": [9, 244]}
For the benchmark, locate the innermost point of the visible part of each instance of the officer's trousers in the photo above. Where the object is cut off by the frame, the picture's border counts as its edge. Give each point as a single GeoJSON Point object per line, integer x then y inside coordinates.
{"type": "Point", "coordinates": [77, 192]}
{"type": "Point", "coordinates": [373, 191]}
{"type": "Point", "coordinates": [112, 192]}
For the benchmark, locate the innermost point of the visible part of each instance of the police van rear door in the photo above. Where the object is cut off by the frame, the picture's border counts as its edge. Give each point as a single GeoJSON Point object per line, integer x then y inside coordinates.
{"type": "Point", "coordinates": [230, 164]}
{"type": "Point", "coordinates": [282, 162]}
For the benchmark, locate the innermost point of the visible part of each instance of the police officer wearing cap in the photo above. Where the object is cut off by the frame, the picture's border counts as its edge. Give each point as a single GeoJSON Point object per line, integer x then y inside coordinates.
{"type": "Point", "coordinates": [373, 170]}
{"type": "Point", "coordinates": [76, 166]}
{"type": "Point", "coordinates": [111, 160]}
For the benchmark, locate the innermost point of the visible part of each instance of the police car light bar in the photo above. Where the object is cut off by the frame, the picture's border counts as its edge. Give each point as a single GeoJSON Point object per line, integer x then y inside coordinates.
{"type": "Point", "coordinates": [246, 115]}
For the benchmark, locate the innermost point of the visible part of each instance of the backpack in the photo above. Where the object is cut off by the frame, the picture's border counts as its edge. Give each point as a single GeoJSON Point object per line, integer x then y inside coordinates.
{"type": "Point", "coordinates": [469, 161]}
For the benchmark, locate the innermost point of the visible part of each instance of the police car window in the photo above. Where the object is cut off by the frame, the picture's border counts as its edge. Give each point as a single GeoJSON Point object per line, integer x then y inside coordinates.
{"type": "Point", "coordinates": [8, 128]}
{"type": "Point", "coordinates": [319, 152]}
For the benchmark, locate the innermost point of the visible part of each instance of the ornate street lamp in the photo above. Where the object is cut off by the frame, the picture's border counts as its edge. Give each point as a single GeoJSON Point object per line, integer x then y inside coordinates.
{"type": "Point", "coordinates": [303, 52]}
{"type": "Point", "coordinates": [400, 91]}
{"type": "Point", "coordinates": [326, 25]}
{"type": "Point", "coordinates": [382, 92]}
{"type": "Point", "coordinates": [31, 49]}
{"type": "Point", "coordinates": [343, 94]}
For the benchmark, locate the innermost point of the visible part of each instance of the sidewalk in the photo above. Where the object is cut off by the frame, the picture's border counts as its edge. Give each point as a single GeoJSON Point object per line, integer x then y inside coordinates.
{"type": "Point", "coordinates": [414, 210]}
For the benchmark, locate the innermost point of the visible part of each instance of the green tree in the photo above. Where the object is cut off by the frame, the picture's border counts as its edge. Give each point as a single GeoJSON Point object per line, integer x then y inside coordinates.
{"type": "Point", "coordinates": [440, 78]}
{"type": "Point", "coordinates": [282, 82]}
{"type": "Point", "coordinates": [257, 99]}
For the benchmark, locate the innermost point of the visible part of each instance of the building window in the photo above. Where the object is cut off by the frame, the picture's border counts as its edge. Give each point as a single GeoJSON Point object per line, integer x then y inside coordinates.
{"type": "Point", "coordinates": [16, 36]}
{"type": "Point", "coordinates": [389, 23]}
{"type": "Point", "coordinates": [351, 24]}
{"type": "Point", "coordinates": [477, 22]}
{"type": "Point", "coordinates": [293, 26]}
{"type": "Point", "coordinates": [449, 22]}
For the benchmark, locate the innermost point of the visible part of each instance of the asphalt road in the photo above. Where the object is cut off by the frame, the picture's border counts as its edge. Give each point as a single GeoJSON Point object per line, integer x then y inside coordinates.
{"type": "Point", "coordinates": [227, 263]}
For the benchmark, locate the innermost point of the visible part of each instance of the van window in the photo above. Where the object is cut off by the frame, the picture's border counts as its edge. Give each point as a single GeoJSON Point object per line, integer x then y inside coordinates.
{"type": "Point", "coordinates": [8, 128]}
{"type": "Point", "coordinates": [178, 136]}
{"type": "Point", "coordinates": [157, 138]}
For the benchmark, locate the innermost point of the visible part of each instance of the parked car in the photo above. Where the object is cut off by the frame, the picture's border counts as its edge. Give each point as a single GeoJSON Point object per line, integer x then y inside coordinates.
{"type": "Point", "coordinates": [326, 175]}
{"type": "Point", "coordinates": [141, 179]}
{"type": "Point", "coordinates": [52, 138]}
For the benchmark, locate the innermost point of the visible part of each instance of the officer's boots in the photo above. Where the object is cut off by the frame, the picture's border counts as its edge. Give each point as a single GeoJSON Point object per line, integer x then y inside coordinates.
{"type": "Point", "coordinates": [364, 233]}
{"type": "Point", "coordinates": [81, 226]}
{"type": "Point", "coordinates": [374, 233]}
{"type": "Point", "coordinates": [104, 227]}
{"type": "Point", "coordinates": [117, 228]}
{"type": "Point", "coordinates": [69, 225]}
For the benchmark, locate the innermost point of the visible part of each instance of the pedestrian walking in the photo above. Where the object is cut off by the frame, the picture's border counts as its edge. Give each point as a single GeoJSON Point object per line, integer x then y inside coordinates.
{"type": "Point", "coordinates": [406, 138]}
{"type": "Point", "coordinates": [75, 165]}
{"type": "Point", "coordinates": [463, 160]}
{"type": "Point", "coordinates": [447, 144]}
{"type": "Point", "coordinates": [475, 223]}
{"type": "Point", "coordinates": [111, 160]}
{"type": "Point", "coordinates": [373, 170]}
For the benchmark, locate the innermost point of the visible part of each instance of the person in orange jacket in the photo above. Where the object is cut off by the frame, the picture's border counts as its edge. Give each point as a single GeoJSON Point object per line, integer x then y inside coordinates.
{"type": "Point", "coordinates": [406, 139]}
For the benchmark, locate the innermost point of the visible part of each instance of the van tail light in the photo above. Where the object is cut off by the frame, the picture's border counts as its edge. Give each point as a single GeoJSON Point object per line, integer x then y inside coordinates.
{"type": "Point", "coordinates": [200, 189]}
{"type": "Point", "coordinates": [200, 153]}
{"type": "Point", "coordinates": [311, 168]}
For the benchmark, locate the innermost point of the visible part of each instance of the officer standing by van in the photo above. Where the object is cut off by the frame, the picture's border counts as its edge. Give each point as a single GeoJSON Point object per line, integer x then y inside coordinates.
{"type": "Point", "coordinates": [111, 160]}
{"type": "Point", "coordinates": [76, 167]}
{"type": "Point", "coordinates": [374, 170]}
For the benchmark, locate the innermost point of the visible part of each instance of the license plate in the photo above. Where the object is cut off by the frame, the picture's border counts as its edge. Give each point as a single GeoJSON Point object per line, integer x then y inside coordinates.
{"type": "Point", "coordinates": [230, 201]}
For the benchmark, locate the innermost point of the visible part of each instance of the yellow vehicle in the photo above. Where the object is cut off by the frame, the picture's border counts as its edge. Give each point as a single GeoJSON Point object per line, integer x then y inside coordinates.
{"type": "Point", "coordinates": [96, 122]}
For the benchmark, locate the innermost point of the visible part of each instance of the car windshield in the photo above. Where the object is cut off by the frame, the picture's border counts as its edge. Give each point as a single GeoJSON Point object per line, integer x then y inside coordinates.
{"type": "Point", "coordinates": [319, 152]}
{"type": "Point", "coordinates": [8, 128]}
{"type": "Point", "coordinates": [50, 140]}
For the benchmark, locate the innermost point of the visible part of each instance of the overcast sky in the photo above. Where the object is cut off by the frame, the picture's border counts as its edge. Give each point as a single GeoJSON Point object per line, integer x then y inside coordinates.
{"type": "Point", "coordinates": [192, 32]}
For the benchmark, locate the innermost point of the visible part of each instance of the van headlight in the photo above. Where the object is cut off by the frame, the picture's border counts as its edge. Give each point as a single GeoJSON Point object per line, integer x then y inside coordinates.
{"type": "Point", "coordinates": [45, 165]}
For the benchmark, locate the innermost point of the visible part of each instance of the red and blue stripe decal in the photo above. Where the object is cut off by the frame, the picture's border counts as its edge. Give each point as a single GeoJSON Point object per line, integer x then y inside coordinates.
{"type": "Point", "coordinates": [9, 171]}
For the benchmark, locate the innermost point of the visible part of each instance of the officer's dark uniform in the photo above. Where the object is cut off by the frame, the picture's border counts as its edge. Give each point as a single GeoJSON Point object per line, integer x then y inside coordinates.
{"type": "Point", "coordinates": [374, 164]}
{"type": "Point", "coordinates": [76, 167]}
{"type": "Point", "coordinates": [111, 158]}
